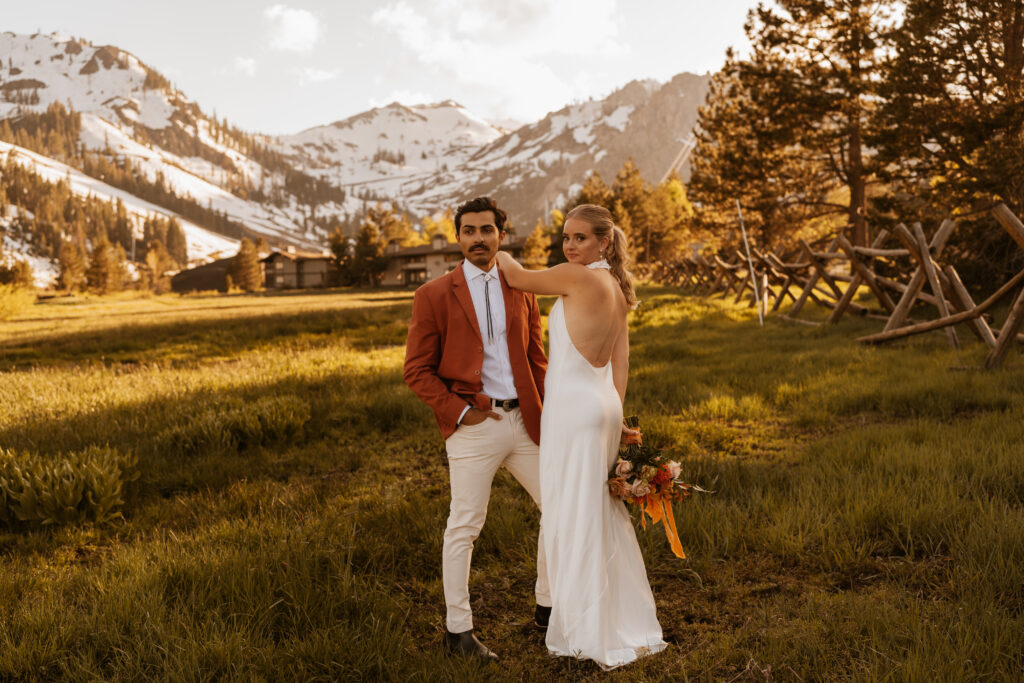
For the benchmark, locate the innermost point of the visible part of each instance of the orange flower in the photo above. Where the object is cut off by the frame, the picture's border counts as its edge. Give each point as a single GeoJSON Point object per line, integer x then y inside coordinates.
{"type": "Point", "coordinates": [663, 476]}
{"type": "Point", "coordinates": [619, 487]}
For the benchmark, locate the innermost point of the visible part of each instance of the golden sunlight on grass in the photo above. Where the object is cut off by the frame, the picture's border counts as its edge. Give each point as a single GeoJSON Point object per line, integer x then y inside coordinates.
{"type": "Point", "coordinates": [286, 522]}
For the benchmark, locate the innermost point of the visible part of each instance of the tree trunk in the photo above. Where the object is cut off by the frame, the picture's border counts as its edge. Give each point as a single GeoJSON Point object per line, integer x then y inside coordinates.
{"type": "Point", "coordinates": [855, 172]}
{"type": "Point", "coordinates": [858, 188]}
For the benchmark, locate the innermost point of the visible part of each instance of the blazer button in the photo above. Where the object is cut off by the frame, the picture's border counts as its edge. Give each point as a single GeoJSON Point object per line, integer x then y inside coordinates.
{"type": "Point", "coordinates": [479, 349]}
{"type": "Point", "coordinates": [477, 372]}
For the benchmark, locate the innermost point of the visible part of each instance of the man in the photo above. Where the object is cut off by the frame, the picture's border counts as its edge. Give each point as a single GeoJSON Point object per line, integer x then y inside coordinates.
{"type": "Point", "coordinates": [475, 356]}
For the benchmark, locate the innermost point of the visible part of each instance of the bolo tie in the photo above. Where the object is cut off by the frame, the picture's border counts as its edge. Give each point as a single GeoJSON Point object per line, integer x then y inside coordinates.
{"type": "Point", "coordinates": [487, 299]}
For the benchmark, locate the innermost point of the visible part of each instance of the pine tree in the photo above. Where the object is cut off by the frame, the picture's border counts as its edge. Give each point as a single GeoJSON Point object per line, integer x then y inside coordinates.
{"type": "Point", "coordinates": [669, 209]}
{"type": "Point", "coordinates": [368, 260]}
{"type": "Point", "coordinates": [16, 272]}
{"type": "Point", "coordinates": [23, 275]}
{"type": "Point", "coordinates": [177, 245]}
{"type": "Point", "coordinates": [342, 248]}
{"type": "Point", "coordinates": [119, 275]}
{"type": "Point", "coordinates": [535, 251]}
{"type": "Point", "coordinates": [71, 265]}
{"type": "Point", "coordinates": [158, 263]}
{"type": "Point", "coordinates": [101, 275]}
{"type": "Point", "coordinates": [951, 128]}
{"type": "Point", "coordinates": [747, 152]}
{"type": "Point", "coordinates": [594, 191]}
{"type": "Point", "coordinates": [245, 267]}
{"type": "Point", "coordinates": [827, 55]}
{"type": "Point", "coordinates": [630, 196]}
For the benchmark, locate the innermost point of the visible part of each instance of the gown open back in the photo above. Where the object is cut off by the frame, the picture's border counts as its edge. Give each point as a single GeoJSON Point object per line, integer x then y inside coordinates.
{"type": "Point", "coordinates": [602, 607]}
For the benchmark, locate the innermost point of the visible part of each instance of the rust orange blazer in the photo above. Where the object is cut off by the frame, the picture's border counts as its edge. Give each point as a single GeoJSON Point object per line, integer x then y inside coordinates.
{"type": "Point", "coordinates": [445, 351]}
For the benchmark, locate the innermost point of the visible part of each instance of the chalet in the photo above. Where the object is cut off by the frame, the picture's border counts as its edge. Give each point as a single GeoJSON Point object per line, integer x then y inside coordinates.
{"type": "Point", "coordinates": [294, 269]}
{"type": "Point", "coordinates": [411, 266]}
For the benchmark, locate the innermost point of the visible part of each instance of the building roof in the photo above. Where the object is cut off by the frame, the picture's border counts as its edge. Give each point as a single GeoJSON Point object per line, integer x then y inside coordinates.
{"type": "Point", "coordinates": [206, 277]}
{"type": "Point", "coordinates": [296, 255]}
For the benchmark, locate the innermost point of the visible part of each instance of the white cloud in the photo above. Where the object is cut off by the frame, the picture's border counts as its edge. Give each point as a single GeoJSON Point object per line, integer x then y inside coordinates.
{"type": "Point", "coordinates": [247, 65]}
{"type": "Point", "coordinates": [504, 49]}
{"type": "Point", "coordinates": [292, 29]}
{"type": "Point", "coordinates": [312, 74]}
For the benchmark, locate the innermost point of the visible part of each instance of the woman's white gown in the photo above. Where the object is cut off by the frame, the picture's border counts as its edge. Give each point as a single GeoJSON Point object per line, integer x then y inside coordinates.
{"type": "Point", "coordinates": [602, 607]}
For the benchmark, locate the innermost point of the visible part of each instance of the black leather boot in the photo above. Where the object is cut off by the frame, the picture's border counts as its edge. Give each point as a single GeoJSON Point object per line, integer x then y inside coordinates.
{"type": "Point", "coordinates": [541, 617]}
{"type": "Point", "coordinates": [466, 643]}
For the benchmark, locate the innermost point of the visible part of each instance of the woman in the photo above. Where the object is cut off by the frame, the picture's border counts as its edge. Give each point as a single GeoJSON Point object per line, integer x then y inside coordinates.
{"type": "Point", "coordinates": [602, 604]}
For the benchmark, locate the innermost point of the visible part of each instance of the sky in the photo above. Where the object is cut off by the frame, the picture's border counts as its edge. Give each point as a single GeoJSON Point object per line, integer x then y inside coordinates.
{"type": "Point", "coordinates": [281, 67]}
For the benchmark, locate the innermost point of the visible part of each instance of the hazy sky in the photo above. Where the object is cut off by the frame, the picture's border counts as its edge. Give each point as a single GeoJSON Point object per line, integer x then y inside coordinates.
{"type": "Point", "coordinates": [283, 67]}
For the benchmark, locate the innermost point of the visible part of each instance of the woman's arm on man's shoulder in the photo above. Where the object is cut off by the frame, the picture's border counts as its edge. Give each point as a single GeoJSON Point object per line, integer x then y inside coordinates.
{"type": "Point", "coordinates": [561, 279]}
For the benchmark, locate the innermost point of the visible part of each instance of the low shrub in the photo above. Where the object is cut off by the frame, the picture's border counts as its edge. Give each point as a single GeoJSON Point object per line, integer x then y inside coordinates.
{"type": "Point", "coordinates": [88, 485]}
{"type": "Point", "coordinates": [14, 300]}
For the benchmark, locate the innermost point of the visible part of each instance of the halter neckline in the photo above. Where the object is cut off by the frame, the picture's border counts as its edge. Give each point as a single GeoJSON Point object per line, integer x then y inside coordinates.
{"type": "Point", "coordinates": [603, 263]}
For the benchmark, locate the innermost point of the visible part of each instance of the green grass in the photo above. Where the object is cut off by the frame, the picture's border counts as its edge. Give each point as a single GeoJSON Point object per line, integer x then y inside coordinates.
{"type": "Point", "coordinates": [867, 521]}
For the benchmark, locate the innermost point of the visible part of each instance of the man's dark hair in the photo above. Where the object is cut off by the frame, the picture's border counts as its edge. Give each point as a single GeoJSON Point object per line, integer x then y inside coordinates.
{"type": "Point", "coordinates": [476, 206]}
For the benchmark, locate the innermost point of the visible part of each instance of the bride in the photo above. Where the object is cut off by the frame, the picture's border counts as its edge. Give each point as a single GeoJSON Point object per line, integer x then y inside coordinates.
{"type": "Point", "coordinates": [602, 606]}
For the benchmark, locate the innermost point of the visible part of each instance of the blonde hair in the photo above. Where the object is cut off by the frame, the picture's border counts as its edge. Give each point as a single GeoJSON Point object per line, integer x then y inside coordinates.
{"type": "Point", "coordinates": [617, 252]}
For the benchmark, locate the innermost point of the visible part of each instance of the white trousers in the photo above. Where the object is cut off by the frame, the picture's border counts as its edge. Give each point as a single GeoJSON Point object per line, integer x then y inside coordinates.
{"type": "Point", "coordinates": [475, 452]}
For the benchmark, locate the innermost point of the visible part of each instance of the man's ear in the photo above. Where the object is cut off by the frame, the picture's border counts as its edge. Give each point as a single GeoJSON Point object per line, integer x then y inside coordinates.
{"type": "Point", "coordinates": [501, 236]}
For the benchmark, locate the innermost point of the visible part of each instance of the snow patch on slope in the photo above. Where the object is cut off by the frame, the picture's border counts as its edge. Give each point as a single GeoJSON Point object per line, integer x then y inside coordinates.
{"type": "Point", "coordinates": [203, 245]}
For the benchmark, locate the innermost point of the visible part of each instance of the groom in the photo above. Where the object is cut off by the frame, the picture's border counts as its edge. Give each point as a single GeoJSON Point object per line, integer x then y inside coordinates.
{"type": "Point", "coordinates": [475, 356]}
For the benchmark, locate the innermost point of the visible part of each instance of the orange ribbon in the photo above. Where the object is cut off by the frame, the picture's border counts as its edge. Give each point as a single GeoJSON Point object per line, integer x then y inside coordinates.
{"type": "Point", "coordinates": [660, 510]}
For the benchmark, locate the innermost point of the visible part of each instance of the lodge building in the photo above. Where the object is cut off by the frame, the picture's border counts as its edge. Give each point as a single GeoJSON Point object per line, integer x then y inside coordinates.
{"type": "Point", "coordinates": [292, 268]}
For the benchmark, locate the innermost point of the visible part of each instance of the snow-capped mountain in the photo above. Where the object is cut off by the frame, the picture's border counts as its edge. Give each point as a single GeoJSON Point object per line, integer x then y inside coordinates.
{"type": "Point", "coordinates": [433, 156]}
{"type": "Point", "coordinates": [392, 142]}
{"type": "Point", "coordinates": [130, 111]}
{"type": "Point", "coordinates": [423, 158]}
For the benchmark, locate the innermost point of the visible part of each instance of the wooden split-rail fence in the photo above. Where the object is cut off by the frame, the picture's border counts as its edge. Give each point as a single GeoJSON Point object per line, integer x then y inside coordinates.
{"type": "Point", "coordinates": [831, 272]}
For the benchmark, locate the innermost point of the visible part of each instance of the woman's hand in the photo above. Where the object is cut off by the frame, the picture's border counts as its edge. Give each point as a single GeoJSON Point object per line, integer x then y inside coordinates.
{"type": "Point", "coordinates": [631, 436]}
{"type": "Point", "coordinates": [506, 260]}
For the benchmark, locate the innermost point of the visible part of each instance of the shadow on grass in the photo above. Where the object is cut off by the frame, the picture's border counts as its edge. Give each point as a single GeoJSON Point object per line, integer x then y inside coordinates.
{"type": "Point", "coordinates": [184, 341]}
{"type": "Point", "coordinates": [212, 438]}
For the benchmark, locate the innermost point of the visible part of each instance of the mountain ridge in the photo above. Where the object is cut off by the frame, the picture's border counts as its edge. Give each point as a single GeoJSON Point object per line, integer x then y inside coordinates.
{"type": "Point", "coordinates": [293, 189]}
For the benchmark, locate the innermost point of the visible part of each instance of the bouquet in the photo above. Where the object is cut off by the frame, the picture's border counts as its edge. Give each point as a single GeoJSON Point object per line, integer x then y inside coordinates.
{"type": "Point", "coordinates": [643, 477]}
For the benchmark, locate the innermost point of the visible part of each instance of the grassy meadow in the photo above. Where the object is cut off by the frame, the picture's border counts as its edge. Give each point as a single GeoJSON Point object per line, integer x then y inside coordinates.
{"type": "Point", "coordinates": [287, 515]}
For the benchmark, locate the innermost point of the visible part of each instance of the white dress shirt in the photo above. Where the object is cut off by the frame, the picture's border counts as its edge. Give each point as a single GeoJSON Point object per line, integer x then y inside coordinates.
{"type": "Point", "coordinates": [496, 372]}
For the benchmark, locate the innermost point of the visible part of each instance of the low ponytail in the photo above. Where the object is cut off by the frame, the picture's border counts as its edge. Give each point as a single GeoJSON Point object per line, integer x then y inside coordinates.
{"type": "Point", "coordinates": [617, 255]}
{"type": "Point", "coordinates": [617, 252]}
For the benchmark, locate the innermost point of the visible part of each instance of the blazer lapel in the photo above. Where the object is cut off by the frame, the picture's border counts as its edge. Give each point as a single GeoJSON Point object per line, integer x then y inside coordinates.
{"type": "Point", "coordinates": [461, 289]}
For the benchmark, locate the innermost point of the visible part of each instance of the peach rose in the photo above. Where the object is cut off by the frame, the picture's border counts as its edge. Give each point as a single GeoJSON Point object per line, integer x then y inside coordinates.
{"type": "Point", "coordinates": [641, 489]}
{"type": "Point", "coordinates": [674, 469]}
{"type": "Point", "coordinates": [623, 468]}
